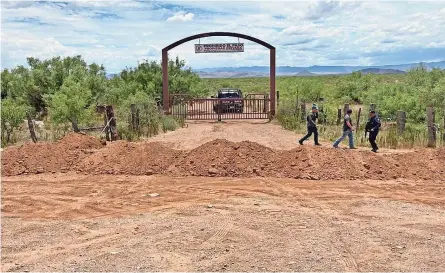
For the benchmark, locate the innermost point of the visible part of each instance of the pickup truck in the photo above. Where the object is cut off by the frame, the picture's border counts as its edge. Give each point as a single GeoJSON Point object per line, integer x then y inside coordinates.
{"type": "Point", "coordinates": [230, 100]}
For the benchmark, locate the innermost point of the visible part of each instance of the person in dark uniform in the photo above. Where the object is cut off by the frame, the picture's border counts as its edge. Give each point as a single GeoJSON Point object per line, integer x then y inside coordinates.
{"type": "Point", "coordinates": [372, 127]}
{"type": "Point", "coordinates": [311, 120]}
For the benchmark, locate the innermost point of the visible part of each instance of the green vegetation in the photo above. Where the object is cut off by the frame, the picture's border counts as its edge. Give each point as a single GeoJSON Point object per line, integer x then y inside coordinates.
{"type": "Point", "coordinates": [64, 92]}
{"type": "Point", "coordinates": [13, 114]}
{"type": "Point", "coordinates": [412, 93]}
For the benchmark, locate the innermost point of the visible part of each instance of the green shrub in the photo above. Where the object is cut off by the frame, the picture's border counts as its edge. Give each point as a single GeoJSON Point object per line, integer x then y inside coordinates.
{"type": "Point", "coordinates": [127, 134]}
{"type": "Point", "coordinates": [168, 124]}
{"type": "Point", "coordinates": [12, 117]}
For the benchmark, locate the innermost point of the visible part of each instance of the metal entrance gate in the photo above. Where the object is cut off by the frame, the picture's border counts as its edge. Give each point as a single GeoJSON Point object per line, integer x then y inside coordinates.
{"type": "Point", "coordinates": [253, 106]}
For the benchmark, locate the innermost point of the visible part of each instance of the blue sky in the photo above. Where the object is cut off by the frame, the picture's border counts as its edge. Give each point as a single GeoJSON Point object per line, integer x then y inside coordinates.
{"type": "Point", "coordinates": [121, 33]}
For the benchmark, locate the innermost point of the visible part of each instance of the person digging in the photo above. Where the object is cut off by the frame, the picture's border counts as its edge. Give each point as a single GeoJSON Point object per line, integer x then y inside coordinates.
{"type": "Point", "coordinates": [311, 120]}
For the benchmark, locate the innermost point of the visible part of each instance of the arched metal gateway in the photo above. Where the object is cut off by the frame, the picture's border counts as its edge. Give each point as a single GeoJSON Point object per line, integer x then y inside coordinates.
{"type": "Point", "coordinates": [272, 96]}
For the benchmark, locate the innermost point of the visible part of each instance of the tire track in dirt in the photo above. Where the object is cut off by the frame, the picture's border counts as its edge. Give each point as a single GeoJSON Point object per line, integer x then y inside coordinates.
{"type": "Point", "coordinates": [276, 189]}
{"type": "Point", "coordinates": [326, 202]}
{"type": "Point", "coordinates": [223, 230]}
{"type": "Point", "coordinates": [83, 242]}
{"type": "Point", "coordinates": [348, 259]}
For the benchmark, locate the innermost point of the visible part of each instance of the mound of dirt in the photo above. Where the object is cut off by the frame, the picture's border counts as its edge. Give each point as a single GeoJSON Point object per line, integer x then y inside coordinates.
{"type": "Point", "coordinates": [48, 157]}
{"type": "Point", "coordinates": [225, 158]}
{"type": "Point", "coordinates": [422, 164]}
{"type": "Point", "coordinates": [246, 159]}
{"type": "Point", "coordinates": [123, 157]}
{"type": "Point", "coordinates": [79, 141]}
{"type": "Point", "coordinates": [327, 163]}
{"type": "Point", "coordinates": [440, 154]}
{"type": "Point", "coordinates": [219, 158]}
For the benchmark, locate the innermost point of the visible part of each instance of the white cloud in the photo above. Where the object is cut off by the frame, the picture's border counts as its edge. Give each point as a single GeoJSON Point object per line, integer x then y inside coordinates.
{"type": "Point", "coordinates": [300, 29]}
{"type": "Point", "coordinates": [304, 33]}
{"type": "Point", "coordinates": [181, 16]}
{"type": "Point", "coordinates": [436, 44]}
{"type": "Point", "coordinates": [319, 9]}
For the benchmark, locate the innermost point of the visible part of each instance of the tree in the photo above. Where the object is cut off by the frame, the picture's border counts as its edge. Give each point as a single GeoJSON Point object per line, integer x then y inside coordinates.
{"type": "Point", "coordinates": [147, 77]}
{"type": "Point", "coordinates": [68, 87]}
{"type": "Point", "coordinates": [70, 103]}
{"type": "Point", "coordinates": [418, 76]}
{"type": "Point", "coordinates": [43, 78]}
{"type": "Point", "coordinates": [6, 79]}
{"type": "Point", "coordinates": [13, 115]}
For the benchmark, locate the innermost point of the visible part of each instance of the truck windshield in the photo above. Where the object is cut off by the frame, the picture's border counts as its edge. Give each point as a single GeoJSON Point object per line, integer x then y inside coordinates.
{"type": "Point", "coordinates": [228, 95]}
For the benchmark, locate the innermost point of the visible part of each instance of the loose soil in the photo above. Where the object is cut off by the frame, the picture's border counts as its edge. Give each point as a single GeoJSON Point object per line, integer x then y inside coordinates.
{"type": "Point", "coordinates": [220, 197]}
{"type": "Point", "coordinates": [220, 157]}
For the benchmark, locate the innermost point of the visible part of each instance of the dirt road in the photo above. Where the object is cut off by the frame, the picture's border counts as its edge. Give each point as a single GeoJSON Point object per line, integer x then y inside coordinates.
{"type": "Point", "coordinates": [109, 223]}
{"type": "Point", "coordinates": [269, 134]}
{"type": "Point", "coordinates": [262, 132]}
{"type": "Point", "coordinates": [80, 221]}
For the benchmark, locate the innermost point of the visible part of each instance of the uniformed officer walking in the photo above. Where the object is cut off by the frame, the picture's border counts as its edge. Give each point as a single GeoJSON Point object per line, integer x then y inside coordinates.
{"type": "Point", "coordinates": [311, 120]}
{"type": "Point", "coordinates": [372, 127]}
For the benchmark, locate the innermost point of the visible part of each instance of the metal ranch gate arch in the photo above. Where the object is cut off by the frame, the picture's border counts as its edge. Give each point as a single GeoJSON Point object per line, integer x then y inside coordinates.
{"type": "Point", "coordinates": [165, 92]}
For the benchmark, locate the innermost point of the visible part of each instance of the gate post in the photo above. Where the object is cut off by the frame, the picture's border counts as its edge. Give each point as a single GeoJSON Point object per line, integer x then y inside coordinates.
{"type": "Point", "coordinates": [165, 95]}
{"type": "Point", "coordinates": [273, 97]}
{"type": "Point", "coordinates": [165, 61]}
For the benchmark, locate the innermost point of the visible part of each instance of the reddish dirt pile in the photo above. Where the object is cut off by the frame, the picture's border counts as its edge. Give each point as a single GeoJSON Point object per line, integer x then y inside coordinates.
{"type": "Point", "coordinates": [219, 158]}
{"type": "Point", "coordinates": [440, 154]}
{"type": "Point", "coordinates": [79, 141]}
{"type": "Point", "coordinates": [225, 158]}
{"type": "Point", "coordinates": [124, 157]}
{"type": "Point", "coordinates": [61, 156]}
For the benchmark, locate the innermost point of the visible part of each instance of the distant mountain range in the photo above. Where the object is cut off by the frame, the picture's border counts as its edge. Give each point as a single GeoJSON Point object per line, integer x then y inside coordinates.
{"type": "Point", "coordinates": [263, 71]}
{"type": "Point", "coordinates": [381, 71]}
{"type": "Point", "coordinates": [305, 73]}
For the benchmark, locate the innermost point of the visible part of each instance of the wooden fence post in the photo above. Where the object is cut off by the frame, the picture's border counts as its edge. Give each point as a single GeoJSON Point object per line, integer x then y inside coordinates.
{"type": "Point", "coordinates": [278, 97]}
{"type": "Point", "coordinates": [325, 116]}
{"type": "Point", "coordinates": [443, 127]}
{"type": "Point", "coordinates": [106, 127]}
{"type": "Point", "coordinates": [138, 128]}
{"type": "Point", "coordinates": [31, 127]}
{"type": "Point", "coordinates": [401, 120]}
{"type": "Point", "coordinates": [358, 120]}
{"type": "Point", "coordinates": [303, 111]}
{"type": "Point", "coordinates": [345, 108]}
{"type": "Point", "coordinates": [112, 124]}
{"type": "Point", "coordinates": [338, 116]}
{"type": "Point", "coordinates": [321, 114]}
{"type": "Point", "coordinates": [133, 117]}
{"type": "Point", "coordinates": [431, 127]}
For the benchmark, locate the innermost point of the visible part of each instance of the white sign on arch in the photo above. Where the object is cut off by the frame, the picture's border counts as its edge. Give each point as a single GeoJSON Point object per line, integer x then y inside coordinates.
{"type": "Point", "coordinates": [219, 48]}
